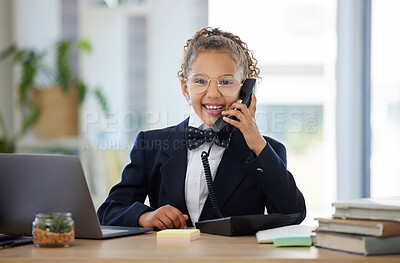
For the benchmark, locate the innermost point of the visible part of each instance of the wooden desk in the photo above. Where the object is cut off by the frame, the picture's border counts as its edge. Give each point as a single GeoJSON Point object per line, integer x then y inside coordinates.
{"type": "Point", "coordinates": [210, 248]}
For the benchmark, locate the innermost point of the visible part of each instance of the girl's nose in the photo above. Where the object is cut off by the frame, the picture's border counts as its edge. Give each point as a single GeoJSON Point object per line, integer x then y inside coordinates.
{"type": "Point", "coordinates": [213, 90]}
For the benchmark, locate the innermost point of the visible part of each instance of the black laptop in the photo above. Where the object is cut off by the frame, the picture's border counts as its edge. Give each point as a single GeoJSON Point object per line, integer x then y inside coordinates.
{"type": "Point", "coordinates": [31, 184]}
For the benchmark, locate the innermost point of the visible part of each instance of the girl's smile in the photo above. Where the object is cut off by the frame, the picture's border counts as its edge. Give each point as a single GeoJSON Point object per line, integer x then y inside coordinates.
{"type": "Point", "coordinates": [213, 110]}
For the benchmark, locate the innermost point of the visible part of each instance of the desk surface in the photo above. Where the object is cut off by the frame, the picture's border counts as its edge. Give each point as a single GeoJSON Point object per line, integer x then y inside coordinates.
{"type": "Point", "coordinates": [209, 248]}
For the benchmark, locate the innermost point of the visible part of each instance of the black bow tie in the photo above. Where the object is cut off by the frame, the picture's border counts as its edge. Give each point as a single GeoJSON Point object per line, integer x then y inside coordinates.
{"type": "Point", "coordinates": [196, 137]}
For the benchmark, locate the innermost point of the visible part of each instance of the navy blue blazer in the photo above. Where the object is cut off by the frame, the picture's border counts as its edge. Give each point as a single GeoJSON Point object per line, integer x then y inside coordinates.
{"type": "Point", "coordinates": [244, 184]}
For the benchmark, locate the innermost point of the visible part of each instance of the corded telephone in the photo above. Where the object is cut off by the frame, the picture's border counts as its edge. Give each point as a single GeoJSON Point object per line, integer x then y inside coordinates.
{"type": "Point", "coordinates": [237, 225]}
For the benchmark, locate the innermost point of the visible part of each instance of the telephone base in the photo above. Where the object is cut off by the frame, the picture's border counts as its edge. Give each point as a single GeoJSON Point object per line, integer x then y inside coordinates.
{"type": "Point", "coordinates": [246, 225]}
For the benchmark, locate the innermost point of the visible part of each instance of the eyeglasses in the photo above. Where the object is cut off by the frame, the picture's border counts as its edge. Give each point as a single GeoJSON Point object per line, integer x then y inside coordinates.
{"type": "Point", "coordinates": [228, 85]}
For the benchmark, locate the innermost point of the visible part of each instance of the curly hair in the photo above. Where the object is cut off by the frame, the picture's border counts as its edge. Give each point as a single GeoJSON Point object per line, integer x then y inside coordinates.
{"type": "Point", "coordinates": [210, 38]}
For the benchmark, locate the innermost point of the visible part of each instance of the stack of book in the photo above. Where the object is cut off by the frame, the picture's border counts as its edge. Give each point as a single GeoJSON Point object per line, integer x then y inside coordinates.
{"type": "Point", "coordinates": [367, 226]}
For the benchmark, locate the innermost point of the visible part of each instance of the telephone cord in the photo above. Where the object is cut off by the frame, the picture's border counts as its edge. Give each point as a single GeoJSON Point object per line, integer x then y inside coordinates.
{"type": "Point", "coordinates": [210, 186]}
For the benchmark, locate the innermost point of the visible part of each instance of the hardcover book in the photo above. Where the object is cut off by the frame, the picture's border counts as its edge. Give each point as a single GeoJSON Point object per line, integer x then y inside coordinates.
{"type": "Point", "coordinates": [357, 244]}
{"type": "Point", "coordinates": [369, 208]}
{"type": "Point", "coordinates": [361, 227]}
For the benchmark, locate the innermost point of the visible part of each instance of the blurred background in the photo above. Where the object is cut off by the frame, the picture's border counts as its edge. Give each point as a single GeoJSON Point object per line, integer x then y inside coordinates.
{"type": "Point", "coordinates": [85, 76]}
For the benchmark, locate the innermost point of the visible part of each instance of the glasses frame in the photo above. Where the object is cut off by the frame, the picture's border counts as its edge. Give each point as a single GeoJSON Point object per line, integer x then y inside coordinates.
{"type": "Point", "coordinates": [218, 84]}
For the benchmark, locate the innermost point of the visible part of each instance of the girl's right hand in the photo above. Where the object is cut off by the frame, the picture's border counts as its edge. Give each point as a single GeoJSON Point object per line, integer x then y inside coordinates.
{"type": "Point", "coordinates": [164, 217]}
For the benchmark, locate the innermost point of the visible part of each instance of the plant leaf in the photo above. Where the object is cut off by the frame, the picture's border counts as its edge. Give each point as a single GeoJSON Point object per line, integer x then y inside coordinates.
{"type": "Point", "coordinates": [30, 63]}
{"type": "Point", "coordinates": [64, 74]}
{"type": "Point", "coordinates": [85, 45]}
{"type": "Point", "coordinates": [29, 121]}
{"type": "Point", "coordinates": [3, 127]}
{"type": "Point", "coordinates": [82, 90]}
{"type": "Point", "coordinates": [7, 145]}
{"type": "Point", "coordinates": [56, 224]}
{"type": "Point", "coordinates": [8, 51]}
{"type": "Point", "coordinates": [102, 100]}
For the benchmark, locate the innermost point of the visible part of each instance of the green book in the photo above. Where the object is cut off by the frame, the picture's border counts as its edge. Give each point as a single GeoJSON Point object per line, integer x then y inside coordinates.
{"type": "Point", "coordinates": [293, 241]}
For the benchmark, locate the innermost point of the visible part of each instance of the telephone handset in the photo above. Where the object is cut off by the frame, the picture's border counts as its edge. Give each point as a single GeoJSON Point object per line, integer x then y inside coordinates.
{"type": "Point", "coordinates": [223, 128]}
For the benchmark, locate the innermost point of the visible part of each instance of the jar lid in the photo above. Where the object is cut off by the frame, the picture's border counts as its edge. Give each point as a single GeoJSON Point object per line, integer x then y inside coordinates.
{"type": "Point", "coordinates": [59, 214]}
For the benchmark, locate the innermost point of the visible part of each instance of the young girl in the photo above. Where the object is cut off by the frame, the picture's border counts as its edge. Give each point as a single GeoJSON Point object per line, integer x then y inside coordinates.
{"type": "Point", "coordinates": [248, 170]}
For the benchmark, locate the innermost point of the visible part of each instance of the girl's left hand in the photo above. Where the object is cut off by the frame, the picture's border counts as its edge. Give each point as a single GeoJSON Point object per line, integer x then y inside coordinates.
{"type": "Point", "coordinates": [247, 124]}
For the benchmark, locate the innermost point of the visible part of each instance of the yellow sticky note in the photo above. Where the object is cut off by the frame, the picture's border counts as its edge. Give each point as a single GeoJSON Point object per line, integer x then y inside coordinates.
{"type": "Point", "coordinates": [178, 235]}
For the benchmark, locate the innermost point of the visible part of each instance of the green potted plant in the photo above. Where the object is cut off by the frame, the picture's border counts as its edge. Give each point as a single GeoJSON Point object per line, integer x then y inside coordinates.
{"type": "Point", "coordinates": [59, 102]}
{"type": "Point", "coordinates": [64, 90]}
{"type": "Point", "coordinates": [53, 230]}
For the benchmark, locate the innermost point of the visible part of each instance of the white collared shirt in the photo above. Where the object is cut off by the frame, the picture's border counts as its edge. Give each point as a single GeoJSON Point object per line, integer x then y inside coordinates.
{"type": "Point", "coordinates": [196, 190]}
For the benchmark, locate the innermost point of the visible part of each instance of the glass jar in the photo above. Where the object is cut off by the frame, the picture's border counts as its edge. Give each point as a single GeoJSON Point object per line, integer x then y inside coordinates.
{"type": "Point", "coordinates": [53, 230]}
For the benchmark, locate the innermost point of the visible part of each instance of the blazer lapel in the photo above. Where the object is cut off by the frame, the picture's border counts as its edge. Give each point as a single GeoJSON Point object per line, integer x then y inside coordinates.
{"type": "Point", "coordinates": [173, 171]}
{"type": "Point", "coordinates": [229, 174]}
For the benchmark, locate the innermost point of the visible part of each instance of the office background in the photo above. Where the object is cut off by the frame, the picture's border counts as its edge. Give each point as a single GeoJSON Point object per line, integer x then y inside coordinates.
{"type": "Point", "coordinates": [330, 88]}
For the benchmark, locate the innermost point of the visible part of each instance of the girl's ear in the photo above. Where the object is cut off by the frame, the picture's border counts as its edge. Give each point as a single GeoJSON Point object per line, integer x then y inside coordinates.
{"type": "Point", "coordinates": [184, 88]}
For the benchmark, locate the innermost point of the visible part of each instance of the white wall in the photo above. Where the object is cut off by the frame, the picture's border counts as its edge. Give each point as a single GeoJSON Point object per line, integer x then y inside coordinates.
{"type": "Point", "coordinates": [37, 24]}
{"type": "Point", "coordinates": [105, 67]}
{"type": "Point", "coordinates": [6, 85]}
{"type": "Point", "coordinates": [171, 24]}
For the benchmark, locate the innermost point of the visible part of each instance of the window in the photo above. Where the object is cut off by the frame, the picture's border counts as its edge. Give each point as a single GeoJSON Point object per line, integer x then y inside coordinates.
{"type": "Point", "coordinates": [295, 45]}
{"type": "Point", "coordinates": [385, 98]}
